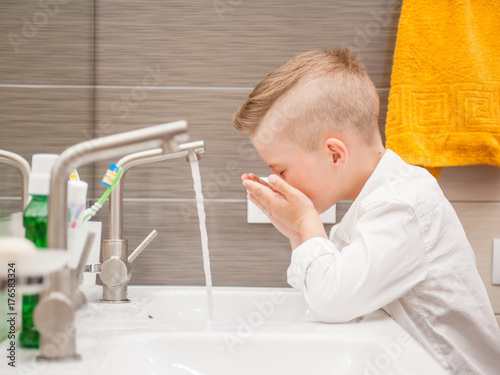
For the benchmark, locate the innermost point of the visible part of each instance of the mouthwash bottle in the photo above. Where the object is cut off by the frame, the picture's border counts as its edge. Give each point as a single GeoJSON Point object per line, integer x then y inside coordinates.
{"type": "Point", "coordinates": [35, 223]}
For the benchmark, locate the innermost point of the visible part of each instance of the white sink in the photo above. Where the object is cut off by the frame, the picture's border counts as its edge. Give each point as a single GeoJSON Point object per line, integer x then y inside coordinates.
{"type": "Point", "coordinates": [275, 304]}
{"type": "Point", "coordinates": [165, 330]}
{"type": "Point", "coordinates": [372, 346]}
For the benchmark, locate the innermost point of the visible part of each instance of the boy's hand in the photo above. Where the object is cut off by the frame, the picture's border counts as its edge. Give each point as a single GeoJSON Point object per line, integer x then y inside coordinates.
{"type": "Point", "coordinates": [292, 235]}
{"type": "Point", "coordinates": [286, 205]}
{"type": "Point", "coordinates": [252, 177]}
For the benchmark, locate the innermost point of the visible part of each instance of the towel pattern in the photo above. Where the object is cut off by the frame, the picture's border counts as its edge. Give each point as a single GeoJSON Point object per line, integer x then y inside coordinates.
{"type": "Point", "coordinates": [444, 103]}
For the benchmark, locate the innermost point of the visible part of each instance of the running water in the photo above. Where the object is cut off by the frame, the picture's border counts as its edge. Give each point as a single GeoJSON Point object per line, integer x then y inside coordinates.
{"type": "Point", "coordinates": [195, 170]}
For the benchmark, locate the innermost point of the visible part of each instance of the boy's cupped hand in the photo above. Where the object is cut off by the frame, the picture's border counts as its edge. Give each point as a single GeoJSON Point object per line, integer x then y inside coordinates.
{"type": "Point", "coordinates": [290, 210]}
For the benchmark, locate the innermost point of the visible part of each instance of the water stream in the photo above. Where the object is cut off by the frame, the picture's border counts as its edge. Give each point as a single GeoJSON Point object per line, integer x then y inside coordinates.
{"type": "Point", "coordinates": [195, 170]}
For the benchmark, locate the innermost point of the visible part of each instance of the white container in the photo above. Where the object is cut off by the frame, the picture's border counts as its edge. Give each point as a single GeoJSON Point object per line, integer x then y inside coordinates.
{"type": "Point", "coordinates": [77, 201]}
{"type": "Point", "coordinates": [41, 169]}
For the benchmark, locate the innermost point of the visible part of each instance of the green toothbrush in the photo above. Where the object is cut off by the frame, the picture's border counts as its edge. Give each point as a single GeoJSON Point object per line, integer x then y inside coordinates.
{"type": "Point", "coordinates": [110, 180]}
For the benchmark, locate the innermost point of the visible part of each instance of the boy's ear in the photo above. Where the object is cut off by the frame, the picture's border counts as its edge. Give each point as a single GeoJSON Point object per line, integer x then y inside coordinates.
{"type": "Point", "coordinates": [338, 152]}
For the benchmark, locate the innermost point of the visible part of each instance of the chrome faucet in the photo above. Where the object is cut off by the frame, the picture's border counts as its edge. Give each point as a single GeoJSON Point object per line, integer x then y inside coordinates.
{"type": "Point", "coordinates": [23, 167]}
{"type": "Point", "coordinates": [54, 314]}
{"type": "Point", "coordinates": [115, 269]}
{"type": "Point", "coordinates": [166, 136]}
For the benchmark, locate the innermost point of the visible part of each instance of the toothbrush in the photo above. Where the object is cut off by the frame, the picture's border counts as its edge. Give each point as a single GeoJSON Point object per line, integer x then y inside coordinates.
{"type": "Point", "coordinates": [110, 179]}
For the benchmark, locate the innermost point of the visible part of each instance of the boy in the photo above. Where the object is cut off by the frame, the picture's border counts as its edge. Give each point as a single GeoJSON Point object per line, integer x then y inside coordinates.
{"type": "Point", "coordinates": [400, 246]}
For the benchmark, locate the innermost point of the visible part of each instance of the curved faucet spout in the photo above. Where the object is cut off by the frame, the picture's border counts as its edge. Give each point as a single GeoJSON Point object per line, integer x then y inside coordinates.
{"type": "Point", "coordinates": [166, 136]}
{"type": "Point", "coordinates": [189, 150]}
{"type": "Point", "coordinates": [22, 166]}
{"type": "Point", "coordinates": [115, 269]}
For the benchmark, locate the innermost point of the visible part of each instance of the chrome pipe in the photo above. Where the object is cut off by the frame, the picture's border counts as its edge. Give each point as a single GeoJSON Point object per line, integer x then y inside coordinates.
{"type": "Point", "coordinates": [22, 165]}
{"type": "Point", "coordinates": [115, 270]}
{"type": "Point", "coordinates": [166, 136]}
{"type": "Point", "coordinates": [140, 158]}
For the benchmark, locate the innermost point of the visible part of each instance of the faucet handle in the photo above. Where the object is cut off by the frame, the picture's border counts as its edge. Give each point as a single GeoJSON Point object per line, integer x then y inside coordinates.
{"type": "Point", "coordinates": [113, 272]}
{"type": "Point", "coordinates": [139, 249]}
{"type": "Point", "coordinates": [116, 267]}
{"type": "Point", "coordinates": [78, 271]}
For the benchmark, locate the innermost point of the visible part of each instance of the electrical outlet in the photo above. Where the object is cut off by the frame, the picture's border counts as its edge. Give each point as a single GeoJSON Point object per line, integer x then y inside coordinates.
{"type": "Point", "coordinates": [256, 216]}
{"type": "Point", "coordinates": [496, 262]}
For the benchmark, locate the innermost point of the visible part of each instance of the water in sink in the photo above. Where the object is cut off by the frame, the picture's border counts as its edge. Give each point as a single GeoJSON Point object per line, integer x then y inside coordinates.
{"type": "Point", "coordinates": [195, 170]}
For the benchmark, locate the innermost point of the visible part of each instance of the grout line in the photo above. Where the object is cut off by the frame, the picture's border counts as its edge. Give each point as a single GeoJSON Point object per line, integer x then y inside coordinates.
{"type": "Point", "coordinates": [188, 88]}
{"type": "Point", "coordinates": [92, 186]}
{"type": "Point", "coordinates": [180, 88]}
{"type": "Point", "coordinates": [26, 86]}
{"type": "Point", "coordinates": [146, 200]}
{"type": "Point", "coordinates": [120, 87]}
{"type": "Point", "coordinates": [222, 200]}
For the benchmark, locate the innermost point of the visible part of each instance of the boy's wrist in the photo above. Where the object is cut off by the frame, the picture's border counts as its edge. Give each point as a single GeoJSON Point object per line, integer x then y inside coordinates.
{"type": "Point", "coordinates": [311, 226]}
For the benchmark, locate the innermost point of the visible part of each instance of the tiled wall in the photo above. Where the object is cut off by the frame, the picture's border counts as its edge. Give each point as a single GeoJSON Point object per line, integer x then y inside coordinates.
{"type": "Point", "coordinates": [45, 82]}
{"type": "Point", "coordinates": [155, 62]}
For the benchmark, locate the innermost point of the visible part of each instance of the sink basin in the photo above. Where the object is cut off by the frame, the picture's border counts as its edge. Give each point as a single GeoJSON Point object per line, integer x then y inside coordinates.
{"type": "Point", "coordinates": [214, 353]}
{"type": "Point", "coordinates": [165, 330]}
{"type": "Point", "coordinates": [274, 304]}
{"type": "Point", "coordinates": [372, 345]}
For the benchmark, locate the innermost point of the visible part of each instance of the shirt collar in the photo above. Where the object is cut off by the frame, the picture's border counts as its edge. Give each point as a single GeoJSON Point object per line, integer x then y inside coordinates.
{"type": "Point", "coordinates": [385, 171]}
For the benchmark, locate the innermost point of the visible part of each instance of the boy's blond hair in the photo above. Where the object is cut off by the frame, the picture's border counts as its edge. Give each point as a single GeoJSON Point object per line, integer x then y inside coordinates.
{"type": "Point", "coordinates": [335, 96]}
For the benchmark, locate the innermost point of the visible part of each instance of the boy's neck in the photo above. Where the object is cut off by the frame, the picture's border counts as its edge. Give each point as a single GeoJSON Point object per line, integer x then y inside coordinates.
{"type": "Point", "coordinates": [363, 164]}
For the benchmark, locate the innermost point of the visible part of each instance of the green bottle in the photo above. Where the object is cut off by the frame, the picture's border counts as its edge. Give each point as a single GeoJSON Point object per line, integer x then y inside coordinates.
{"type": "Point", "coordinates": [35, 220]}
{"type": "Point", "coordinates": [35, 223]}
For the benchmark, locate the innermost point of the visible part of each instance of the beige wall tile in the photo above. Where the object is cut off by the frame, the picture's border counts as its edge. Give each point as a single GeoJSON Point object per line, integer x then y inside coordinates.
{"type": "Point", "coordinates": [480, 221]}
{"type": "Point", "coordinates": [471, 183]}
{"type": "Point", "coordinates": [41, 121]}
{"type": "Point", "coordinates": [46, 42]}
{"type": "Point", "coordinates": [382, 116]}
{"type": "Point", "coordinates": [201, 44]}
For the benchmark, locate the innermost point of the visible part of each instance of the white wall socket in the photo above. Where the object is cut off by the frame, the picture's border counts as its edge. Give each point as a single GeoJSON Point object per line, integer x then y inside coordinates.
{"type": "Point", "coordinates": [496, 262]}
{"type": "Point", "coordinates": [256, 216]}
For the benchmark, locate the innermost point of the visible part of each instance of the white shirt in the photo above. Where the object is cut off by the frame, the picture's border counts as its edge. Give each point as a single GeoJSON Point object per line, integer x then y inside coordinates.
{"type": "Point", "coordinates": [401, 247]}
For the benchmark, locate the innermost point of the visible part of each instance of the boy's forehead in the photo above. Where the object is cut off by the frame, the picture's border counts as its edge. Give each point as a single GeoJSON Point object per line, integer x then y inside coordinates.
{"type": "Point", "coordinates": [272, 149]}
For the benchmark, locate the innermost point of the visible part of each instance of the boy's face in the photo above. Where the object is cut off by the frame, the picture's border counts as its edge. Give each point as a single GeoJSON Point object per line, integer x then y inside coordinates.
{"type": "Point", "coordinates": [310, 172]}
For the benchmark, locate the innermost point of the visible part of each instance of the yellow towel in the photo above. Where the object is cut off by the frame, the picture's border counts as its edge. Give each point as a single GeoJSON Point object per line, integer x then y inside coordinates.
{"type": "Point", "coordinates": [445, 84]}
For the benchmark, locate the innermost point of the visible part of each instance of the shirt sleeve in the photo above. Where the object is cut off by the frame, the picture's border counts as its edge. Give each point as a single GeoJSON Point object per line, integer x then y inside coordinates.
{"type": "Point", "coordinates": [384, 260]}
